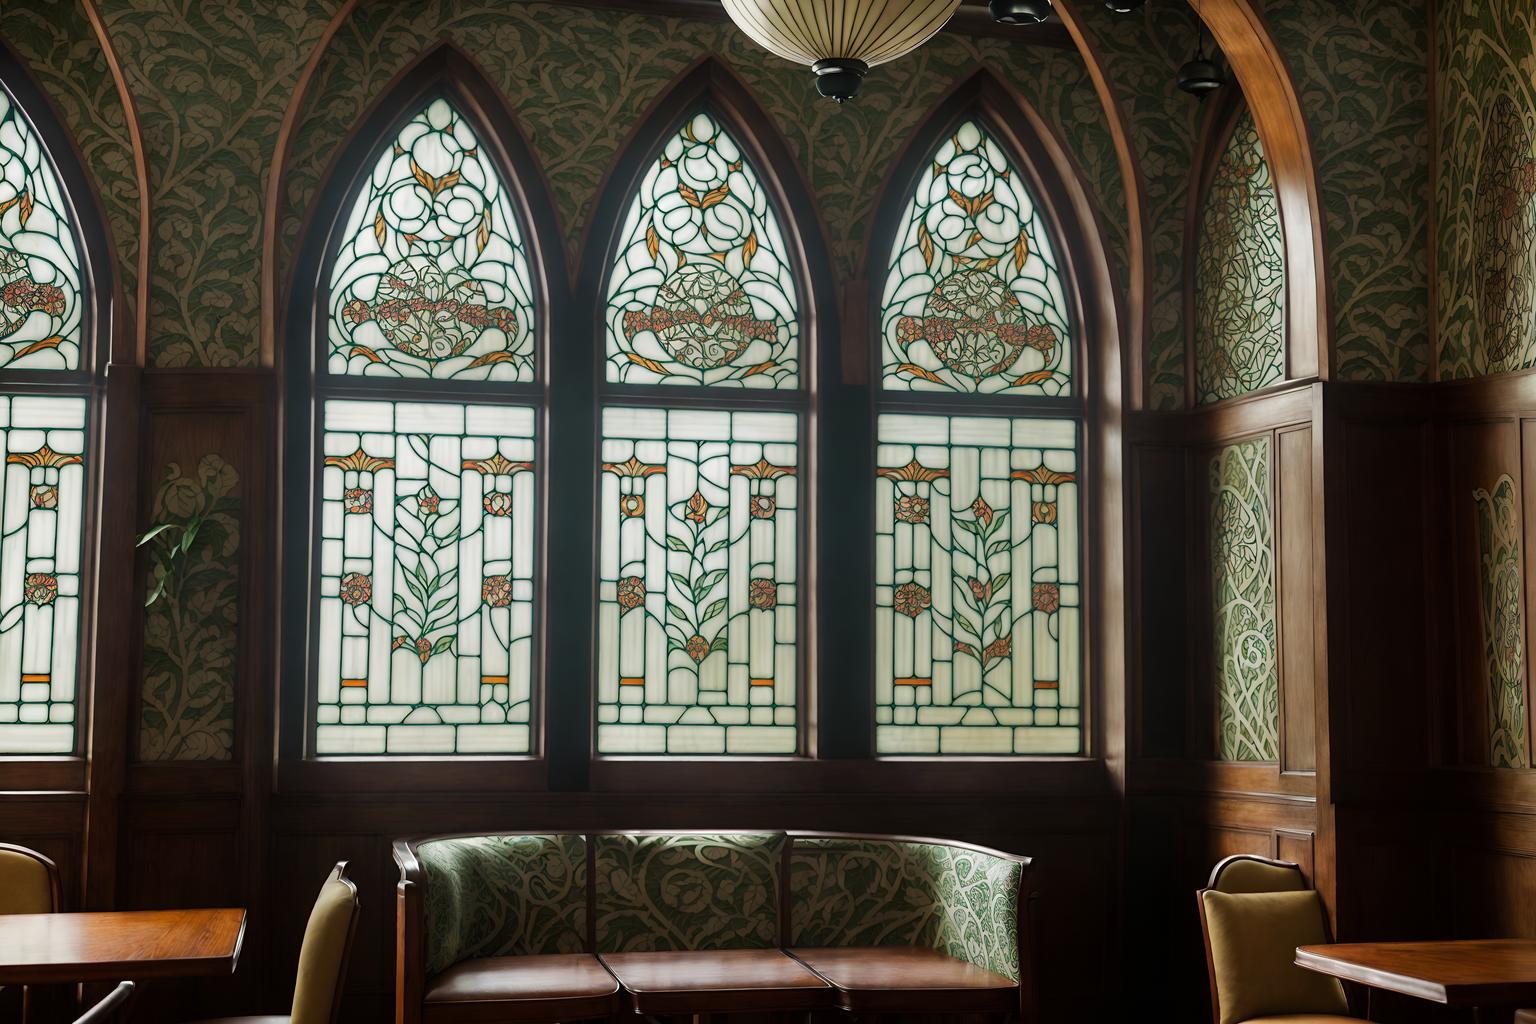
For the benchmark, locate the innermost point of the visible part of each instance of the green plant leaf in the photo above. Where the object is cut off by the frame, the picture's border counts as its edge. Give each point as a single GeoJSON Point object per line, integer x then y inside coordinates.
{"type": "Point", "coordinates": [145, 538]}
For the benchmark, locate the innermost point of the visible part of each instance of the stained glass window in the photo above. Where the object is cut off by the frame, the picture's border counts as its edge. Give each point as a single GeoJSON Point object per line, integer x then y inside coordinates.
{"type": "Point", "coordinates": [702, 292]}
{"type": "Point", "coordinates": [1239, 275]}
{"type": "Point", "coordinates": [40, 298]}
{"type": "Point", "coordinates": [433, 281]}
{"type": "Point", "coordinates": [698, 588]}
{"type": "Point", "coordinates": [425, 633]}
{"type": "Point", "coordinates": [978, 617]}
{"type": "Point", "coordinates": [42, 505]}
{"type": "Point", "coordinates": [973, 300]}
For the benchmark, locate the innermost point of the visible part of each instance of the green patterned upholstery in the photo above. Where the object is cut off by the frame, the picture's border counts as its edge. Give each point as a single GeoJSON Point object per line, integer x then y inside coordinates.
{"type": "Point", "coordinates": [503, 896]}
{"type": "Point", "coordinates": [663, 892]}
{"type": "Point", "coordinates": [869, 892]}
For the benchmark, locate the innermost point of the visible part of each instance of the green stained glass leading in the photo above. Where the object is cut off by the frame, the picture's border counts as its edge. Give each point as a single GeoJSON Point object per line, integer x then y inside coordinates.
{"type": "Point", "coordinates": [426, 579]}
{"type": "Point", "coordinates": [701, 292]}
{"type": "Point", "coordinates": [698, 584]}
{"type": "Point", "coordinates": [42, 506]}
{"type": "Point", "coordinates": [1239, 275]}
{"type": "Point", "coordinates": [973, 300]}
{"type": "Point", "coordinates": [40, 325]}
{"type": "Point", "coordinates": [432, 278]}
{"type": "Point", "coordinates": [978, 602]}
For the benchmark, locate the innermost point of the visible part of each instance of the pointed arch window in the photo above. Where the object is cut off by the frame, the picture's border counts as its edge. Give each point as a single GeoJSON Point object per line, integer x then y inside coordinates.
{"type": "Point", "coordinates": [702, 500]}
{"type": "Point", "coordinates": [425, 451]}
{"type": "Point", "coordinates": [978, 577]}
{"type": "Point", "coordinates": [53, 316]}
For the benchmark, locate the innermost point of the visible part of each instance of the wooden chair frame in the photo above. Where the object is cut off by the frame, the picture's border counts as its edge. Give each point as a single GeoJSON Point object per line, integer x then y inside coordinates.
{"type": "Point", "coordinates": [55, 896]}
{"type": "Point", "coordinates": [1205, 932]}
{"type": "Point", "coordinates": [346, 950]}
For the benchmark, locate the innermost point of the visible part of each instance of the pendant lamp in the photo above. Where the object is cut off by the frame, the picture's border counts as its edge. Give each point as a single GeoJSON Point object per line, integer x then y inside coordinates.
{"type": "Point", "coordinates": [840, 39]}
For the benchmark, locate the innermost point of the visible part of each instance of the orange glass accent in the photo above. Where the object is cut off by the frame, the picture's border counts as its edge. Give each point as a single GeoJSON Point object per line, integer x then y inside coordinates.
{"type": "Point", "coordinates": [493, 680]}
{"type": "Point", "coordinates": [35, 677]}
{"type": "Point", "coordinates": [1046, 684]}
{"type": "Point", "coordinates": [914, 681]}
{"type": "Point", "coordinates": [354, 682]}
{"type": "Point", "coordinates": [762, 682]}
{"type": "Point", "coordinates": [631, 680]}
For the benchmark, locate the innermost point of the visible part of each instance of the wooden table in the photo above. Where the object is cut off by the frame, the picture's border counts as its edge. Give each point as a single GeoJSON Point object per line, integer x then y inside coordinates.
{"type": "Point", "coordinates": [39, 949]}
{"type": "Point", "coordinates": [1479, 973]}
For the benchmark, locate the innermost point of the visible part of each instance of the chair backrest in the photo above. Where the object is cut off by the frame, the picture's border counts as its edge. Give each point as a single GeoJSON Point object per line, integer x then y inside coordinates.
{"type": "Point", "coordinates": [29, 881]}
{"type": "Point", "coordinates": [323, 956]}
{"type": "Point", "coordinates": [1253, 914]}
{"type": "Point", "coordinates": [686, 891]}
{"type": "Point", "coordinates": [113, 1008]}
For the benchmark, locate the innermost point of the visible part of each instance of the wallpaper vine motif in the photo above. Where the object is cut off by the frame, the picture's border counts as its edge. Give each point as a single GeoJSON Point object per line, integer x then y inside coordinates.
{"type": "Point", "coordinates": [598, 70]}
{"type": "Point", "coordinates": [191, 634]}
{"type": "Point", "coordinates": [1142, 53]}
{"type": "Point", "coordinates": [1243, 587]}
{"type": "Point", "coordinates": [63, 54]}
{"type": "Point", "coordinates": [1361, 73]}
{"type": "Point", "coordinates": [1498, 544]}
{"type": "Point", "coordinates": [1485, 195]}
{"type": "Point", "coordinates": [1239, 275]}
{"type": "Point", "coordinates": [210, 126]}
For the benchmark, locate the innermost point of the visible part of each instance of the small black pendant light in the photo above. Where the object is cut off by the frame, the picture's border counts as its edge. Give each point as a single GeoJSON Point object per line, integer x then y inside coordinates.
{"type": "Point", "coordinates": [1020, 12]}
{"type": "Point", "coordinates": [1200, 75]}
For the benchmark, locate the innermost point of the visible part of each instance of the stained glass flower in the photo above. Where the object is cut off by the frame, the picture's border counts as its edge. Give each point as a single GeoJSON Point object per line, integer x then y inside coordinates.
{"type": "Point", "coordinates": [631, 593]}
{"type": "Point", "coordinates": [496, 591]}
{"type": "Point", "coordinates": [45, 496]}
{"type": "Point", "coordinates": [697, 648]}
{"type": "Point", "coordinates": [357, 500]}
{"type": "Point", "coordinates": [912, 599]}
{"type": "Point", "coordinates": [41, 588]}
{"type": "Point", "coordinates": [498, 503]}
{"type": "Point", "coordinates": [762, 506]}
{"type": "Point", "coordinates": [763, 593]}
{"type": "Point", "coordinates": [698, 507]}
{"type": "Point", "coordinates": [911, 509]}
{"type": "Point", "coordinates": [631, 506]}
{"type": "Point", "coordinates": [356, 588]}
{"type": "Point", "coordinates": [1046, 597]}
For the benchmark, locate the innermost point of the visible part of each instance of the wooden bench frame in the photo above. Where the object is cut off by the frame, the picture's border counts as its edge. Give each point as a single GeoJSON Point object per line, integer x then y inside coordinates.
{"type": "Point", "coordinates": [410, 951]}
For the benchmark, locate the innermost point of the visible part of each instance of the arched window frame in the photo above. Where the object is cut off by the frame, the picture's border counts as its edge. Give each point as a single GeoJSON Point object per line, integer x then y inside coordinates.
{"type": "Point", "coordinates": [444, 72]}
{"type": "Point", "coordinates": [1219, 120]}
{"type": "Point", "coordinates": [103, 339]}
{"type": "Point", "coordinates": [708, 86]}
{"type": "Point", "coordinates": [1096, 402]}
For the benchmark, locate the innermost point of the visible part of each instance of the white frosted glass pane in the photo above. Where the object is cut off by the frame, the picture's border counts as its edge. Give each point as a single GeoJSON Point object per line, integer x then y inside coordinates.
{"type": "Point", "coordinates": [976, 585]}
{"type": "Point", "coordinates": [42, 506]}
{"type": "Point", "coordinates": [427, 616]}
{"type": "Point", "coordinates": [697, 609]}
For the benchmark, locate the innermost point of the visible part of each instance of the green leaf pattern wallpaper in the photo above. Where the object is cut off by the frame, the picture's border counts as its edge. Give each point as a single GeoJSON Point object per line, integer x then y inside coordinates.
{"type": "Point", "coordinates": [1244, 629]}
{"type": "Point", "coordinates": [187, 710]}
{"type": "Point", "coordinates": [1485, 195]}
{"type": "Point", "coordinates": [1498, 546]}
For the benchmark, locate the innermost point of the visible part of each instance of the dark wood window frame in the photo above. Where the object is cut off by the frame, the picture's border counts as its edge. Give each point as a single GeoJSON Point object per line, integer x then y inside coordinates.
{"type": "Point", "coordinates": [836, 404]}
{"type": "Point", "coordinates": [103, 340]}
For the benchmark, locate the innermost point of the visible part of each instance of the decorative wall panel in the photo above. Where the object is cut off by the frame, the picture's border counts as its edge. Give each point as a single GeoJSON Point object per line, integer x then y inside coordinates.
{"type": "Point", "coordinates": [39, 257]}
{"type": "Point", "coordinates": [978, 600]}
{"type": "Point", "coordinates": [702, 292]}
{"type": "Point", "coordinates": [1244, 626]}
{"type": "Point", "coordinates": [698, 602]}
{"type": "Point", "coordinates": [1499, 578]}
{"type": "Point", "coordinates": [1239, 274]}
{"type": "Point", "coordinates": [42, 508]}
{"type": "Point", "coordinates": [1485, 195]}
{"type": "Point", "coordinates": [424, 639]}
{"type": "Point", "coordinates": [973, 299]}
{"type": "Point", "coordinates": [433, 279]}
{"type": "Point", "coordinates": [187, 696]}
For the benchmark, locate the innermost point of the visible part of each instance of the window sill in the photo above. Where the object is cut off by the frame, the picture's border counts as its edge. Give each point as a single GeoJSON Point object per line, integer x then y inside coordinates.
{"type": "Point", "coordinates": [44, 774]}
{"type": "Point", "coordinates": [1053, 776]}
{"type": "Point", "coordinates": [413, 775]}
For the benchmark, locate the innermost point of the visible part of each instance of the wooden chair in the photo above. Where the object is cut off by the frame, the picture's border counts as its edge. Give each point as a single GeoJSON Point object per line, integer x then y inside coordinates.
{"type": "Point", "coordinates": [29, 884]}
{"type": "Point", "coordinates": [1253, 914]}
{"type": "Point", "coordinates": [1525, 1017]}
{"type": "Point", "coordinates": [322, 957]}
{"type": "Point", "coordinates": [113, 1008]}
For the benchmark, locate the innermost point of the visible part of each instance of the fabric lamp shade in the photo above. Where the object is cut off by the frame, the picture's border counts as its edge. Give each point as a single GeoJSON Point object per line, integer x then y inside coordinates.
{"type": "Point", "coordinates": [840, 39]}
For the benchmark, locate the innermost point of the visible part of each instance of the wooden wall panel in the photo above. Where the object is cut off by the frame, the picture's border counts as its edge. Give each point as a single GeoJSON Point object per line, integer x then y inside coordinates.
{"type": "Point", "coordinates": [1165, 599]}
{"type": "Point", "coordinates": [1296, 562]}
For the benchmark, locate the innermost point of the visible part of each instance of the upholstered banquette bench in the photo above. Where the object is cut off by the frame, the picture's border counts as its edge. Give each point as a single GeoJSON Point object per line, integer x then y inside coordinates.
{"type": "Point", "coordinates": [521, 927]}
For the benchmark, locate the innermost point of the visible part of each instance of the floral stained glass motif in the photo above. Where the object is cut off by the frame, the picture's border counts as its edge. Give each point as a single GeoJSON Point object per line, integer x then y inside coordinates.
{"type": "Point", "coordinates": [1239, 275]}
{"type": "Point", "coordinates": [1243, 579]}
{"type": "Point", "coordinates": [426, 579]}
{"type": "Point", "coordinates": [1498, 541]}
{"type": "Point", "coordinates": [698, 607]}
{"type": "Point", "coordinates": [973, 301]}
{"type": "Point", "coordinates": [40, 297]}
{"type": "Point", "coordinates": [42, 505]}
{"type": "Point", "coordinates": [432, 280]}
{"type": "Point", "coordinates": [978, 603]}
{"type": "Point", "coordinates": [702, 292]}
